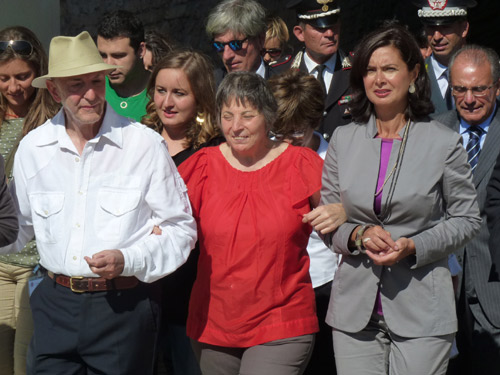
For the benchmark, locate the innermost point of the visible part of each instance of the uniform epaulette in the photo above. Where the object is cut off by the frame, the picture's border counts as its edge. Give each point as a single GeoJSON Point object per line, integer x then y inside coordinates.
{"type": "Point", "coordinates": [282, 61]}
{"type": "Point", "coordinates": [296, 60]}
{"type": "Point", "coordinates": [346, 62]}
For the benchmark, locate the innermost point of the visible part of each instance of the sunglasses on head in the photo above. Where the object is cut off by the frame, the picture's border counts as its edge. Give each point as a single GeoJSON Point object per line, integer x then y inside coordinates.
{"type": "Point", "coordinates": [235, 45]}
{"type": "Point", "coordinates": [273, 52]}
{"type": "Point", "coordinates": [20, 47]}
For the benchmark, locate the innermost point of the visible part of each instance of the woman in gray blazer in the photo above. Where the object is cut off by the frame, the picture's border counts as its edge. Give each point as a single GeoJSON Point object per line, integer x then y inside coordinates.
{"type": "Point", "coordinates": [405, 185]}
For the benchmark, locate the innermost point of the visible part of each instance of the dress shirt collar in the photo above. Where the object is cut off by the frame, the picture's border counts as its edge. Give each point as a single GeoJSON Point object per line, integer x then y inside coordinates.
{"type": "Point", "coordinates": [311, 65]}
{"type": "Point", "coordinates": [439, 68]}
{"type": "Point", "coordinates": [57, 130]}
{"type": "Point", "coordinates": [262, 69]}
{"type": "Point", "coordinates": [464, 126]}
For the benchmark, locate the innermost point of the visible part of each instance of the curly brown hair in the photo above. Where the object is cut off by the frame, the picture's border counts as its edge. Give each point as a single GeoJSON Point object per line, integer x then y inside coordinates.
{"type": "Point", "coordinates": [199, 72]}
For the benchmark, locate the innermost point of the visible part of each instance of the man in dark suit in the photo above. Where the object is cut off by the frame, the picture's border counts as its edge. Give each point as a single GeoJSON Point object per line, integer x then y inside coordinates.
{"type": "Point", "coordinates": [446, 27]}
{"type": "Point", "coordinates": [237, 29]}
{"type": "Point", "coordinates": [319, 28]}
{"type": "Point", "coordinates": [475, 85]}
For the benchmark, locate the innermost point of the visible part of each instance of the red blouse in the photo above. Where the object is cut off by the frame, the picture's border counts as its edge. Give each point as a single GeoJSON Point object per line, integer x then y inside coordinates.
{"type": "Point", "coordinates": [253, 283]}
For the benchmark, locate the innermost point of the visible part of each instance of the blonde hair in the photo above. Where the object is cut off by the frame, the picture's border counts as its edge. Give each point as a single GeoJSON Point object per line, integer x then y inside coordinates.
{"type": "Point", "coordinates": [276, 28]}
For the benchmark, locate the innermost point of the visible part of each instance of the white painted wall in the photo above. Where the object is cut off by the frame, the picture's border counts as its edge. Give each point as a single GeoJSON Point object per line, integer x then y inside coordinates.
{"type": "Point", "coordinates": [41, 16]}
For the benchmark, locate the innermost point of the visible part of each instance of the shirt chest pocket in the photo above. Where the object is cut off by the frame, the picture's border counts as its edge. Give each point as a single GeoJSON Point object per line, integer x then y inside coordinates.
{"type": "Point", "coordinates": [47, 215]}
{"type": "Point", "coordinates": [116, 213]}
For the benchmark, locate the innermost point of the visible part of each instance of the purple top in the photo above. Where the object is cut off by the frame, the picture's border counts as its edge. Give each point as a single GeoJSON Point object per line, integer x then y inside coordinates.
{"type": "Point", "coordinates": [385, 154]}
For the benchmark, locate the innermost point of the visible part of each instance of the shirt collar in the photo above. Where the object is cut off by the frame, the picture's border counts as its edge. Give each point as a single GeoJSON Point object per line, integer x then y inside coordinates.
{"type": "Point", "coordinates": [464, 126]}
{"type": "Point", "coordinates": [262, 69]}
{"type": "Point", "coordinates": [311, 65]}
{"type": "Point", "coordinates": [111, 129]}
{"type": "Point", "coordinates": [439, 68]}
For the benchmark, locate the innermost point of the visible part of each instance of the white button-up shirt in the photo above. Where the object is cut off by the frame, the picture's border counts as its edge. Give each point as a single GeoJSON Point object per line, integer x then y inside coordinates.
{"type": "Point", "coordinates": [312, 68]}
{"type": "Point", "coordinates": [109, 197]}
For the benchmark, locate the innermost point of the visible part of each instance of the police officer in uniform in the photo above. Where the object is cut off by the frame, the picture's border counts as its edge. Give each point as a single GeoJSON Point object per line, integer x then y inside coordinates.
{"type": "Point", "coordinates": [445, 24]}
{"type": "Point", "coordinates": [318, 27]}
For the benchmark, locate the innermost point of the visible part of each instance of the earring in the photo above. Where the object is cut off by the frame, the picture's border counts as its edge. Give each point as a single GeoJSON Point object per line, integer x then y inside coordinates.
{"type": "Point", "coordinates": [200, 118]}
{"type": "Point", "coordinates": [412, 88]}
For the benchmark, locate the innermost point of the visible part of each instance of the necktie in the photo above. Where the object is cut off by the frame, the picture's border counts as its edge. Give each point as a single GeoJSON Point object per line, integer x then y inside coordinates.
{"type": "Point", "coordinates": [447, 94]}
{"type": "Point", "coordinates": [320, 69]}
{"type": "Point", "coordinates": [474, 146]}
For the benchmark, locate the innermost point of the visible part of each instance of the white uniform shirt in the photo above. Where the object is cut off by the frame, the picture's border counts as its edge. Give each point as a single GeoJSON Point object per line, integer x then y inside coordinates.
{"type": "Point", "coordinates": [441, 73]}
{"type": "Point", "coordinates": [327, 73]}
{"type": "Point", "coordinates": [109, 197]}
{"type": "Point", "coordinates": [323, 261]}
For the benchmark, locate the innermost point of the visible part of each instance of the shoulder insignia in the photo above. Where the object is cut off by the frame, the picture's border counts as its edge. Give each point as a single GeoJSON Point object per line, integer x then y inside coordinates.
{"type": "Point", "coordinates": [296, 60]}
{"type": "Point", "coordinates": [346, 63]}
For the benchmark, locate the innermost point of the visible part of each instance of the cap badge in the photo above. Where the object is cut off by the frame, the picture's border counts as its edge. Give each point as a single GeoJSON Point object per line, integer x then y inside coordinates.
{"type": "Point", "coordinates": [437, 4]}
{"type": "Point", "coordinates": [325, 8]}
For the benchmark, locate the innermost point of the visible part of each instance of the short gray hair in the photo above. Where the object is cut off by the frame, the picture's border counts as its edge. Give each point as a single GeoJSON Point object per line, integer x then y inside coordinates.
{"type": "Point", "coordinates": [479, 55]}
{"type": "Point", "coordinates": [247, 88]}
{"type": "Point", "coordinates": [245, 17]}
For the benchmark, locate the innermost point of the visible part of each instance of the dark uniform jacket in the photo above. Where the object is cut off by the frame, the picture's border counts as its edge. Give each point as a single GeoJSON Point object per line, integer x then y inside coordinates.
{"type": "Point", "coordinates": [336, 110]}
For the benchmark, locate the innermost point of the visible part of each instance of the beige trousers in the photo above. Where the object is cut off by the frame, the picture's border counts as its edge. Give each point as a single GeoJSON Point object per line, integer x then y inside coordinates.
{"type": "Point", "coordinates": [16, 323]}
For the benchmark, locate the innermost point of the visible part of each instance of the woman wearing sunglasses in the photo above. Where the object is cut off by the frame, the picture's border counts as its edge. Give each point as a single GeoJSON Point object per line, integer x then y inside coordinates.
{"type": "Point", "coordinates": [182, 109]}
{"type": "Point", "coordinates": [276, 41]}
{"type": "Point", "coordinates": [22, 108]}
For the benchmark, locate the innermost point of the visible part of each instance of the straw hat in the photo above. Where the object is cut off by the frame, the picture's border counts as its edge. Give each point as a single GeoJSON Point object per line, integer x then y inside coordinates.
{"type": "Point", "coordinates": [72, 56]}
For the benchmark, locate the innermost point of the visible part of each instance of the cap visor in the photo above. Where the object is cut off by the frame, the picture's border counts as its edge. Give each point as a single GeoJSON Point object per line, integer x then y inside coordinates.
{"type": "Point", "coordinates": [324, 22]}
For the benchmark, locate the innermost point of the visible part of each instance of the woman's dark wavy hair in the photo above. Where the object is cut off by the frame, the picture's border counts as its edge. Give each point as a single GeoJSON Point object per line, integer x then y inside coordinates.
{"type": "Point", "coordinates": [390, 34]}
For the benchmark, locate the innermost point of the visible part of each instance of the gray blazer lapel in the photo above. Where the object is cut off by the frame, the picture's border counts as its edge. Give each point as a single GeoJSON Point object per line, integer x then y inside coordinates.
{"type": "Point", "coordinates": [490, 150]}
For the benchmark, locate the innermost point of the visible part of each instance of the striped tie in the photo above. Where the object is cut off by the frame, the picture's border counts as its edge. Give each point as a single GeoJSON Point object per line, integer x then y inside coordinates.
{"type": "Point", "coordinates": [474, 145]}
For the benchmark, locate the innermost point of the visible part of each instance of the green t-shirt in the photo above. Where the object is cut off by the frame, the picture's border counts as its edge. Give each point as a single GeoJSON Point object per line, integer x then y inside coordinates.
{"type": "Point", "coordinates": [10, 135]}
{"type": "Point", "coordinates": [133, 107]}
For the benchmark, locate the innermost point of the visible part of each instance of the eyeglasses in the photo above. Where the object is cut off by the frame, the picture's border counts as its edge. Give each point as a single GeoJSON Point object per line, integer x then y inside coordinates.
{"type": "Point", "coordinates": [21, 47]}
{"type": "Point", "coordinates": [477, 91]}
{"type": "Point", "coordinates": [235, 45]}
{"type": "Point", "coordinates": [273, 52]}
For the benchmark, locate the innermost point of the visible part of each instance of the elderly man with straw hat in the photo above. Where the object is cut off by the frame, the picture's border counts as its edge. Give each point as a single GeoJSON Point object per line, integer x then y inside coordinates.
{"type": "Point", "coordinates": [92, 186]}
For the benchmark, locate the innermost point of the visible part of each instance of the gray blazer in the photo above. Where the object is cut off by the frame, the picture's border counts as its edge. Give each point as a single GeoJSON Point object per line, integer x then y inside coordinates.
{"type": "Point", "coordinates": [434, 203]}
{"type": "Point", "coordinates": [477, 251]}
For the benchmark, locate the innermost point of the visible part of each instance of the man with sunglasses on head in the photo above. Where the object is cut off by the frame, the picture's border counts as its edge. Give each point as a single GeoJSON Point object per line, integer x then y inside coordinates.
{"type": "Point", "coordinates": [237, 29]}
{"type": "Point", "coordinates": [446, 27]}
{"type": "Point", "coordinates": [120, 39]}
{"type": "Point", "coordinates": [475, 85]}
{"type": "Point", "coordinates": [318, 28]}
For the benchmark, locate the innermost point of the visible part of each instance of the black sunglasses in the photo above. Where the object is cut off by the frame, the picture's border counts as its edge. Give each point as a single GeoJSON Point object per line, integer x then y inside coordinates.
{"type": "Point", "coordinates": [273, 52]}
{"type": "Point", "coordinates": [235, 45]}
{"type": "Point", "coordinates": [21, 47]}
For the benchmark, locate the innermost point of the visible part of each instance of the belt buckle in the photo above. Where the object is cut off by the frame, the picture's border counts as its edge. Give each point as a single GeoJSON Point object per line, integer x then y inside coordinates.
{"type": "Point", "coordinates": [73, 289]}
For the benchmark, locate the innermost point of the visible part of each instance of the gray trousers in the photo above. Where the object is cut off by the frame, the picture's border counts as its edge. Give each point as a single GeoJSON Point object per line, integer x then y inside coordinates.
{"type": "Point", "coordinates": [280, 357]}
{"type": "Point", "coordinates": [377, 351]}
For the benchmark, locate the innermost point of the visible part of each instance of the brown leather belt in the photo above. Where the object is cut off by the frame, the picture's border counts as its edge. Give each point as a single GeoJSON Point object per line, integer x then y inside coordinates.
{"type": "Point", "coordinates": [79, 284]}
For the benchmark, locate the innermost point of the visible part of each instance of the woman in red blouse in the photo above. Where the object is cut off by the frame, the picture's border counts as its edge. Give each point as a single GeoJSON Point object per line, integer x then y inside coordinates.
{"type": "Point", "coordinates": [252, 306]}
